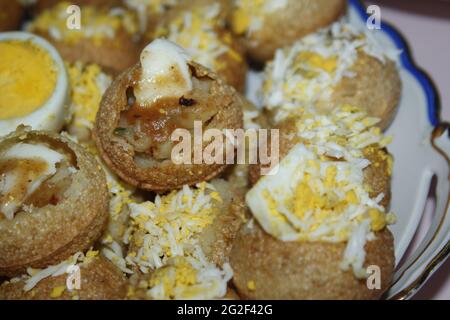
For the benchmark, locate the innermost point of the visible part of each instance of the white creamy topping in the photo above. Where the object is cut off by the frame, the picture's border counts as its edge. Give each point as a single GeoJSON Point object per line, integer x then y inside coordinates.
{"type": "Point", "coordinates": [165, 72]}
{"type": "Point", "coordinates": [12, 195]}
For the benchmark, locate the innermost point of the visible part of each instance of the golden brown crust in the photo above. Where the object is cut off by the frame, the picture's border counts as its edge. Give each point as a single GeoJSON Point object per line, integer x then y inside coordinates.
{"type": "Point", "coordinates": [377, 175]}
{"type": "Point", "coordinates": [52, 233]}
{"type": "Point", "coordinates": [114, 55]}
{"type": "Point", "coordinates": [100, 280]}
{"type": "Point", "coordinates": [11, 13]}
{"type": "Point", "coordinates": [376, 88]}
{"type": "Point", "coordinates": [118, 154]}
{"type": "Point", "coordinates": [283, 27]}
{"type": "Point", "coordinates": [304, 270]}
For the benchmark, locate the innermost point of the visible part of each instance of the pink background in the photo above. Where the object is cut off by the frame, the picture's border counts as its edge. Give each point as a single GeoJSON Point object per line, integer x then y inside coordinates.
{"type": "Point", "coordinates": [426, 27]}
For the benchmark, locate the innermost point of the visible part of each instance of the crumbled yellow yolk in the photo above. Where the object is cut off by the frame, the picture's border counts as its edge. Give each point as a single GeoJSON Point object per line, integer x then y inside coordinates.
{"type": "Point", "coordinates": [378, 219]}
{"type": "Point", "coordinates": [244, 12]}
{"type": "Point", "coordinates": [27, 78]}
{"type": "Point", "coordinates": [179, 216]}
{"type": "Point", "coordinates": [251, 285]}
{"type": "Point", "coordinates": [315, 60]}
{"type": "Point", "coordinates": [95, 24]}
{"type": "Point", "coordinates": [86, 92]}
{"type": "Point", "coordinates": [180, 274]}
{"type": "Point", "coordinates": [57, 292]}
{"type": "Point", "coordinates": [240, 21]}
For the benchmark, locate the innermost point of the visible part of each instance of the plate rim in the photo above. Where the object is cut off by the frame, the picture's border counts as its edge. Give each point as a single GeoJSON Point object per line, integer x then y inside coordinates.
{"type": "Point", "coordinates": [433, 112]}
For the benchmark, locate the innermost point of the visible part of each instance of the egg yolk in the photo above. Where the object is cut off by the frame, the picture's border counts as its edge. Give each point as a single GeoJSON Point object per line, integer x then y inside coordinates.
{"type": "Point", "coordinates": [27, 78]}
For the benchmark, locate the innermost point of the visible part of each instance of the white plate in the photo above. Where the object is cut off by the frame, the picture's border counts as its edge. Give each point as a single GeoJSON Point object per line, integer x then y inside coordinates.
{"type": "Point", "coordinates": [421, 149]}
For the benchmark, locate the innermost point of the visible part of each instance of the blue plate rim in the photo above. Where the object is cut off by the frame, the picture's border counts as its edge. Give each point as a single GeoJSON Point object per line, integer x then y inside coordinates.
{"type": "Point", "coordinates": [430, 89]}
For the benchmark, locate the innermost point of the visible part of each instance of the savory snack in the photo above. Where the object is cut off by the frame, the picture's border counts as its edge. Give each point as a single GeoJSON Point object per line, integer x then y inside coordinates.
{"type": "Point", "coordinates": [33, 81]}
{"type": "Point", "coordinates": [144, 106]}
{"type": "Point", "coordinates": [88, 83]}
{"type": "Point", "coordinates": [264, 26]}
{"type": "Point", "coordinates": [81, 277]}
{"type": "Point", "coordinates": [335, 66]}
{"type": "Point", "coordinates": [106, 36]}
{"type": "Point", "coordinates": [199, 27]}
{"type": "Point", "coordinates": [188, 232]}
{"type": "Point", "coordinates": [323, 213]}
{"type": "Point", "coordinates": [11, 13]}
{"type": "Point", "coordinates": [53, 200]}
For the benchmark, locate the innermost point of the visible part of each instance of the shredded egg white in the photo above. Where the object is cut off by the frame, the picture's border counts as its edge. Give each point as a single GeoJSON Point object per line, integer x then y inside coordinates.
{"type": "Point", "coordinates": [318, 193]}
{"type": "Point", "coordinates": [163, 241]}
{"type": "Point", "coordinates": [308, 71]}
{"type": "Point", "coordinates": [197, 32]}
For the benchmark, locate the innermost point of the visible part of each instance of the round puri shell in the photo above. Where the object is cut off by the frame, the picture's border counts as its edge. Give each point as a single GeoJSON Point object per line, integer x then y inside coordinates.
{"type": "Point", "coordinates": [304, 270]}
{"type": "Point", "coordinates": [100, 280]}
{"type": "Point", "coordinates": [50, 234]}
{"type": "Point", "coordinates": [11, 13]}
{"type": "Point", "coordinates": [376, 89]}
{"type": "Point", "coordinates": [283, 27]}
{"type": "Point", "coordinates": [114, 55]}
{"type": "Point", "coordinates": [164, 176]}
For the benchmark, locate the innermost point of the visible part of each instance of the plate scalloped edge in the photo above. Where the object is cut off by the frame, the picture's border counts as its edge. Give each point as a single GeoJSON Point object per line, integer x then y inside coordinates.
{"type": "Point", "coordinates": [435, 246]}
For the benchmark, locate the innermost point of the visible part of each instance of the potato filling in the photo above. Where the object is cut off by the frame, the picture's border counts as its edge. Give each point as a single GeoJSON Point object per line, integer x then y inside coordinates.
{"type": "Point", "coordinates": [148, 127]}
{"type": "Point", "coordinates": [32, 175]}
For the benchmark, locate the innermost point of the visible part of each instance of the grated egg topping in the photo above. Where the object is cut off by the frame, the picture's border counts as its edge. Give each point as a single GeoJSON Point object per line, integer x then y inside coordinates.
{"type": "Point", "coordinates": [248, 15]}
{"type": "Point", "coordinates": [96, 24]}
{"type": "Point", "coordinates": [88, 84]}
{"type": "Point", "coordinates": [164, 239]}
{"type": "Point", "coordinates": [201, 32]}
{"type": "Point", "coordinates": [307, 72]}
{"type": "Point", "coordinates": [343, 133]}
{"type": "Point", "coordinates": [319, 193]}
{"type": "Point", "coordinates": [186, 278]}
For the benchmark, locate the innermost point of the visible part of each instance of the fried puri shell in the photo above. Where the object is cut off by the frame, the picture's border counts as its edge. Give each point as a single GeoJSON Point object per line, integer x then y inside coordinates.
{"type": "Point", "coordinates": [52, 233]}
{"type": "Point", "coordinates": [11, 12]}
{"type": "Point", "coordinates": [283, 27]}
{"type": "Point", "coordinates": [165, 176]}
{"type": "Point", "coordinates": [99, 280]}
{"type": "Point", "coordinates": [376, 88]}
{"type": "Point", "coordinates": [304, 270]}
{"type": "Point", "coordinates": [114, 55]}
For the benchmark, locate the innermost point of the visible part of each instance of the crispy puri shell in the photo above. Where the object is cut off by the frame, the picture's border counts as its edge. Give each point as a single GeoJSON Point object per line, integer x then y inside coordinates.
{"type": "Point", "coordinates": [376, 89]}
{"type": "Point", "coordinates": [114, 55]}
{"type": "Point", "coordinates": [283, 27]}
{"type": "Point", "coordinates": [51, 234]}
{"type": "Point", "coordinates": [100, 280]}
{"type": "Point", "coordinates": [118, 154]}
{"type": "Point", "coordinates": [11, 13]}
{"type": "Point", "coordinates": [304, 270]}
